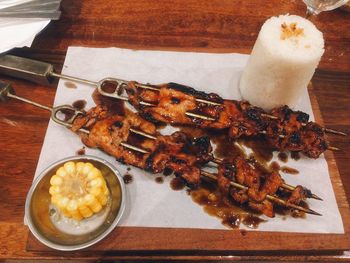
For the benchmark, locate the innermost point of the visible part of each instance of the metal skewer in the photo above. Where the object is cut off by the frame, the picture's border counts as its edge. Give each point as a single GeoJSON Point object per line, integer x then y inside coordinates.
{"type": "Point", "coordinates": [121, 83]}
{"type": "Point", "coordinates": [220, 161]}
{"type": "Point", "coordinates": [304, 124]}
{"type": "Point", "coordinates": [268, 197]}
{"type": "Point", "coordinates": [245, 188]}
{"type": "Point", "coordinates": [6, 92]}
{"type": "Point", "coordinates": [43, 73]}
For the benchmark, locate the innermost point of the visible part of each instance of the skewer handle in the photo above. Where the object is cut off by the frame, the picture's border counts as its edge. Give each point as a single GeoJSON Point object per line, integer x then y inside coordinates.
{"type": "Point", "coordinates": [5, 89]}
{"type": "Point", "coordinates": [28, 69]}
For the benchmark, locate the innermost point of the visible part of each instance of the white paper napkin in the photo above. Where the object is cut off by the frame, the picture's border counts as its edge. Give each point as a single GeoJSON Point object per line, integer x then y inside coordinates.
{"type": "Point", "coordinates": [18, 32]}
{"type": "Point", "coordinates": [155, 205]}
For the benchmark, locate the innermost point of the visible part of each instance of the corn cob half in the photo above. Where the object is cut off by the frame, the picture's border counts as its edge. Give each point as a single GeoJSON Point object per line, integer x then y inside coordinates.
{"type": "Point", "coordinates": [78, 190]}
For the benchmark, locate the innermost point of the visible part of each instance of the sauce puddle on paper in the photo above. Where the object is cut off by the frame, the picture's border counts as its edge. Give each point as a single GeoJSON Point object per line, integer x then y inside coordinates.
{"type": "Point", "coordinates": [215, 204]}
{"type": "Point", "coordinates": [208, 195]}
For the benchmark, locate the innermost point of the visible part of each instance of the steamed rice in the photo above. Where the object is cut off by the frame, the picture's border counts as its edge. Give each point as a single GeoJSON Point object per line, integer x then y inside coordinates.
{"type": "Point", "coordinates": [284, 58]}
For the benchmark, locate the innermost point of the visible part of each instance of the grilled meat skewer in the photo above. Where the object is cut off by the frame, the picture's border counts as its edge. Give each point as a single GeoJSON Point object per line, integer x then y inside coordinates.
{"type": "Point", "coordinates": [177, 152]}
{"type": "Point", "coordinates": [218, 161]}
{"type": "Point", "coordinates": [165, 154]}
{"type": "Point", "coordinates": [246, 120]}
{"type": "Point", "coordinates": [169, 152]}
{"type": "Point", "coordinates": [259, 187]}
{"type": "Point", "coordinates": [283, 128]}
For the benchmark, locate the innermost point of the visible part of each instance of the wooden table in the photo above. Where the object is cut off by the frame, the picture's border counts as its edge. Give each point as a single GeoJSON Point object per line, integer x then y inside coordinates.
{"type": "Point", "coordinates": [210, 26]}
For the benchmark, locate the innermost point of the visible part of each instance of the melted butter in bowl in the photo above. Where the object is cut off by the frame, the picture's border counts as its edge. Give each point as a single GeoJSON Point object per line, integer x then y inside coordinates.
{"type": "Point", "coordinates": [57, 231]}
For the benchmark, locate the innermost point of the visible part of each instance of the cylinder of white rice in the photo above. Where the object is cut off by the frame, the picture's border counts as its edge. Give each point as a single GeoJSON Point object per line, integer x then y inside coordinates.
{"type": "Point", "coordinates": [284, 58]}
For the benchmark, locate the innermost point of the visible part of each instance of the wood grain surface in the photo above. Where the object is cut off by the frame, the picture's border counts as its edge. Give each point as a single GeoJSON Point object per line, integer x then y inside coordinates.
{"type": "Point", "coordinates": [210, 26]}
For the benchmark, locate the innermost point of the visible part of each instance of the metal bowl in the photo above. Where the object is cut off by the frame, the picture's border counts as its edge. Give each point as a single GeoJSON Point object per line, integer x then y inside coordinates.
{"type": "Point", "coordinates": [37, 211]}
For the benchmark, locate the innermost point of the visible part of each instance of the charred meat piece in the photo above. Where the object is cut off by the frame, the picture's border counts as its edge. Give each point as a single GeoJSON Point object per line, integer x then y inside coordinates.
{"type": "Point", "coordinates": [289, 120]}
{"type": "Point", "coordinates": [226, 174]}
{"type": "Point", "coordinates": [259, 185]}
{"type": "Point", "coordinates": [178, 152]}
{"type": "Point", "coordinates": [246, 174]}
{"type": "Point", "coordinates": [299, 135]}
{"type": "Point", "coordinates": [309, 139]}
{"type": "Point", "coordinates": [90, 118]}
{"type": "Point", "coordinates": [288, 124]}
{"type": "Point", "coordinates": [172, 101]}
{"type": "Point", "coordinates": [314, 141]}
{"type": "Point", "coordinates": [248, 120]}
{"type": "Point", "coordinates": [298, 194]}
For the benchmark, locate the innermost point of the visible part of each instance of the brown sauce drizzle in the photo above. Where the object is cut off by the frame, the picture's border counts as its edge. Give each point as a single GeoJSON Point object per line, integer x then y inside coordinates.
{"type": "Point", "coordinates": [70, 85]}
{"type": "Point", "coordinates": [159, 180]}
{"type": "Point", "coordinates": [273, 167]}
{"type": "Point", "coordinates": [115, 106]}
{"type": "Point", "coordinates": [283, 157]}
{"type": "Point", "coordinates": [192, 131]}
{"type": "Point", "coordinates": [215, 204]}
{"type": "Point", "coordinates": [295, 155]}
{"type": "Point", "coordinates": [79, 104]}
{"type": "Point", "coordinates": [225, 148]}
{"type": "Point", "coordinates": [262, 151]}
{"type": "Point", "coordinates": [289, 170]}
{"type": "Point", "coordinates": [252, 221]}
{"type": "Point", "coordinates": [128, 178]}
{"type": "Point", "coordinates": [81, 151]}
{"type": "Point", "coordinates": [177, 184]}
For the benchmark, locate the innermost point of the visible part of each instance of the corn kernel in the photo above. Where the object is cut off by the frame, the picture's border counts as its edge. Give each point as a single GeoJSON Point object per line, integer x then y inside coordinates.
{"type": "Point", "coordinates": [56, 180]}
{"type": "Point", "coordinates": [69, 167]}
{"type": "Point", "coordinates": [93, 203]}
{"type": "Point", "coordinates": [72, 208]}
{"type": "Point", "coordinates": [93, 193]}
{"type": "Point", "coordinates": [61, 172]}
{"type": "Point", "coordinates": [54, 190]}
{"type": "Point", "coordinates": [79, 167]}
{"type": "Point", "coordinates": [83, 209]}
{"type": "Point", "coordinates": [87, 168]}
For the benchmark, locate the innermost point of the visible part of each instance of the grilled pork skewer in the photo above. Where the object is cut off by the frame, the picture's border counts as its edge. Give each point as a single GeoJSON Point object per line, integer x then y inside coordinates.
{"type": "Point", "coordinates": [221, 162]}
{"type": "Point", "coordinates": [99, 129]}
{"type": "Point", "coordinates": [187, 107]}
{"type": "Point", "coordinates": [165, 150]}
{"type": "Point", "coordinates": [283, 128]}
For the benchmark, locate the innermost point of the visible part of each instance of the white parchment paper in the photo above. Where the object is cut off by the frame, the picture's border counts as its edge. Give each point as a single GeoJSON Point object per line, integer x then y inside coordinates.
{"type": "Point", "coordinates": [155, 205]}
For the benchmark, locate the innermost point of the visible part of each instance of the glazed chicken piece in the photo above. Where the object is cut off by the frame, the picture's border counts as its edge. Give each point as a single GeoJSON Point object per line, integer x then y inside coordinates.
{"type": "Point", "coordinates": [314, 141]}
{"type": "Point", "coordinates": [248, 120]}
{"type": "Point", "coordinates": [289, 120]}
{"type": "Point", "coordinates": [172, 103]}
{"type": "Point", "coordinates": [244, 174]}
{"type": "Point", "coordinates": [259, 185]}
{"type": "Point", "coordinates": [177, 152]}
{"type": "Point", "coordinates": [88, 119]}
{"type": "Point", "coordinates": [300, 135]}
{"type": "Point", "coordinates": [298, 194]}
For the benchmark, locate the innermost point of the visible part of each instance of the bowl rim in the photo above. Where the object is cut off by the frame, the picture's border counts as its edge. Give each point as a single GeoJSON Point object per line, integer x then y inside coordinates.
{"type": "Point", "coordinates": [42, 238]}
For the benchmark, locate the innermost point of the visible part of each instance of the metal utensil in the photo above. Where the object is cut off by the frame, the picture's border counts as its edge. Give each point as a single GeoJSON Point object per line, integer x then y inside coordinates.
{"type": "Point", "coordinates": [55, 15]}
{"type": "Point", "coordinates": [48, 9]}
